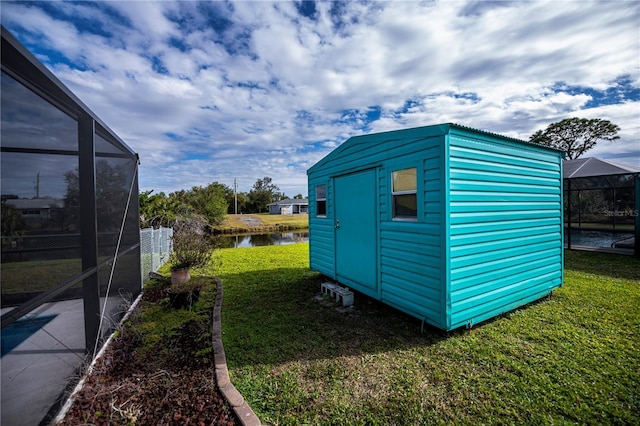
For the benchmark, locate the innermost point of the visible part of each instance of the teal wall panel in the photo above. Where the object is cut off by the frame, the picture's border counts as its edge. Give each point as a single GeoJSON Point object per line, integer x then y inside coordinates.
{"type": "Point", "coordinates": [505, 223]}
{"type": "Point", "coordinates": [483, 309]}
{"type": "Point", "coordinates": [477, 270]}
{"type": "Point", "coordinates": [321, 231]}
{"type": "Point", "coordinates": [494, 228]}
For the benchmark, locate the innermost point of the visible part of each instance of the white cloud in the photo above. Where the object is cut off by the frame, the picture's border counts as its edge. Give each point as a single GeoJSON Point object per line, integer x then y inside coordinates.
{"type": "Point", "coordinates": [208, 92]}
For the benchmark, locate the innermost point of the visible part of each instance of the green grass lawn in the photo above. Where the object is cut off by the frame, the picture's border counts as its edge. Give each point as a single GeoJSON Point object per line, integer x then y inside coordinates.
{"type": "Point", "coordinates": [573, 358]}
{"type": "Point", "coordinates": [35, 276]}
{"type": "Point", "coordinates": [262, 222]}
{"type": "Point", "coordinates": [41, 275]}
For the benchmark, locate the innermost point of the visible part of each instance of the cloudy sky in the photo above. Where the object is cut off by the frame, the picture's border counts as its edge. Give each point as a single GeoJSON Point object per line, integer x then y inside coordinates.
{"type": "Point", "coordinates": [209, 91]}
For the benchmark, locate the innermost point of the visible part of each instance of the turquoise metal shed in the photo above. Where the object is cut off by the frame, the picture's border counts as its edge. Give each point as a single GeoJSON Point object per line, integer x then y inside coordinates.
{"type": "Point", "coordinates": [449, 224]}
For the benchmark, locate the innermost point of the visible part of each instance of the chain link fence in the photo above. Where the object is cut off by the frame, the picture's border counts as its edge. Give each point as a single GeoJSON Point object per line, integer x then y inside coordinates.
{"type": "Point", "coordinates": [155, 248]}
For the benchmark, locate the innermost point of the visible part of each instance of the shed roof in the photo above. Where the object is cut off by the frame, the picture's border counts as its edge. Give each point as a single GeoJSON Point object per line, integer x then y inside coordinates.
{"type": "Point", "coordinates": [416, 132]}
{"type": "Point", "coordinates": [290, 202]}
{"type": "Point", "coordinates": [593, 166]}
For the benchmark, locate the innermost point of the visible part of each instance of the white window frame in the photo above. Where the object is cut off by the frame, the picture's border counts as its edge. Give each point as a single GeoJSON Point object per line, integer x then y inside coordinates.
{"type": "Point", "coordinates": [406, 192]}
{"type": "Point", "coordinates": [323, 199]}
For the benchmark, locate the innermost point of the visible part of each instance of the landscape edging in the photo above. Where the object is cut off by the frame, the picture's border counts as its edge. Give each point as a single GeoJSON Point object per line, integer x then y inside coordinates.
{"type": "Point", "coordinates": [242, 410]}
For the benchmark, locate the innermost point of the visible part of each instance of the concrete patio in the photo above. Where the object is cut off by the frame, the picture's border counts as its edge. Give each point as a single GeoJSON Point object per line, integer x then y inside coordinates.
{"type": "Point", "coordinates": [36, 372]}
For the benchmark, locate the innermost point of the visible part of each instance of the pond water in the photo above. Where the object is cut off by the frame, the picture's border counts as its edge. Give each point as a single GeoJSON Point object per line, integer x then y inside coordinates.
{"type": "Point", "coordinates": [254, 240]}
{"type": "Point", "coordinates": [578, 237]}
{"type": "Point", "coordinates": [590, 238]}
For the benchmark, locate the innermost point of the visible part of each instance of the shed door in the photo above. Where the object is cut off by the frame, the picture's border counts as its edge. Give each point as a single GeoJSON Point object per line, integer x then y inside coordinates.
{"type": "Point", "coordinates": [356, 234]}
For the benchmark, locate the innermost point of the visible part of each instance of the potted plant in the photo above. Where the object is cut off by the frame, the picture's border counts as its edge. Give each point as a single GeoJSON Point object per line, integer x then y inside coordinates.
{"type": "Point", "coordinates": [192, 248]}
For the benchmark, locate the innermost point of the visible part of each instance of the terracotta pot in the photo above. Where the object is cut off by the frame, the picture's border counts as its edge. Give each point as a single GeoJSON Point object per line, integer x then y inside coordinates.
{"type": "Point", "coordinates": [180, 276]}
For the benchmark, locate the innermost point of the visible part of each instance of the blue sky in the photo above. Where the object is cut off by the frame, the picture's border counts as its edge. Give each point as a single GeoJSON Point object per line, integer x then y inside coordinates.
{"type": "Point", "coordinates": [209, 91]}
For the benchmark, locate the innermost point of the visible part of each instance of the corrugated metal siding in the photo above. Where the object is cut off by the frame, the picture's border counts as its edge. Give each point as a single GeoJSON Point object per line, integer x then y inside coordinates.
{"type": "Point", "coordinates": [383, 194]}
{"type": "Point", "coordinates": [321, 231]}
{"type": "Point", "coordinates": [505, 244]}
{"type": "Point", "coordinates": [433, 186]}
{"type": "Point", "coordinates": [410, 269]}
{"type": "Point", "coordinates": [373, 152]}
{"type": "Point", "coordinates": [411, 252]}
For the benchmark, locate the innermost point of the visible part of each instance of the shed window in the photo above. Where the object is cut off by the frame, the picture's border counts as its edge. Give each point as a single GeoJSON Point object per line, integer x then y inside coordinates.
{"type": "Point", "coordinates": [404, 193]}
{"type": "Point", "coordinates": [321, 200]}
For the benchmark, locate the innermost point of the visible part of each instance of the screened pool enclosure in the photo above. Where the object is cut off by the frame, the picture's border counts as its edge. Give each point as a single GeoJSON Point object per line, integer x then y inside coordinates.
{"type": "Point", "coordinates": [601, 205]}
{"type": "Point", "coordinates": [70, 236]}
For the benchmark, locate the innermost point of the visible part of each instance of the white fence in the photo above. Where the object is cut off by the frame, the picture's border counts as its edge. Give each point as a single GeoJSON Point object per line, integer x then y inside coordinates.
{"type": "Point", "coordinates": [156, 246]}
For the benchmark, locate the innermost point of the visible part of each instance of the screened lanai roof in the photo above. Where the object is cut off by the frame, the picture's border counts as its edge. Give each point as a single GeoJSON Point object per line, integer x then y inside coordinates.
{"type": "Point", "coordinates": [592, 166]}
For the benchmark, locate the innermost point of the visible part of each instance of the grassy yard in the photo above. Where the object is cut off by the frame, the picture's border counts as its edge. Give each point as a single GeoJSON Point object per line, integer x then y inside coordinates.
{"type": "Point", "coordinates": [35, 276]}
{"type": "Point", "coordinates": [264, 222]}
{"type": "Point", "coordinates": [41, 275]}
{"type": "Point", "coordinates": [573, 358]}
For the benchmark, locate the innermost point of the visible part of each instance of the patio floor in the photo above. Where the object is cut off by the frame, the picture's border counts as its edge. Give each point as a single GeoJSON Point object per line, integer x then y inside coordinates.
{"type": "Point", "coordinates": [37, 370]}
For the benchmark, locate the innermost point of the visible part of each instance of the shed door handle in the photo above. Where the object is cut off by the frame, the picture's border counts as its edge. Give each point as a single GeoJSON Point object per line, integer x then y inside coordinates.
{"type": "Point", "coordinates": [337, 224]}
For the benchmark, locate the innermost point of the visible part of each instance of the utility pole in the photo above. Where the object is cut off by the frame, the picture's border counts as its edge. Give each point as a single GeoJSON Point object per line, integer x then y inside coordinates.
{"type": "Point", "coordinates": [235, 195]}
{"type": "Point", "coordinates": [38, 186]}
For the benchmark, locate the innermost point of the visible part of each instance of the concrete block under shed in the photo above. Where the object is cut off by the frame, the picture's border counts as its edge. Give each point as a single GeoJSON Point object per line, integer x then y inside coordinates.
{"type": "Point", "coordinates": [340, 294]}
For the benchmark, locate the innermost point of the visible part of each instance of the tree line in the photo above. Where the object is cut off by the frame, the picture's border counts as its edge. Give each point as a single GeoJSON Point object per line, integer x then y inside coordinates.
{"type": "Point", "coordinates": [575, 136]}
{"type": "Point", "coordinates": [212, 202]}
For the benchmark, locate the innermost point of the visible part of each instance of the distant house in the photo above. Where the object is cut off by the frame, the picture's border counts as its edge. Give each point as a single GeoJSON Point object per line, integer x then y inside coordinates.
{"type": "Point", "coordinates": [37, 212]}
{"type": "Point", "coordinates": [289, 206]}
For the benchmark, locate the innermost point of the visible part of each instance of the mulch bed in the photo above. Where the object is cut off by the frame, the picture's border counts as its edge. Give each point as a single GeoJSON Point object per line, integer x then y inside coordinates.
{"type": "Point", "coordinates": [167, 386]}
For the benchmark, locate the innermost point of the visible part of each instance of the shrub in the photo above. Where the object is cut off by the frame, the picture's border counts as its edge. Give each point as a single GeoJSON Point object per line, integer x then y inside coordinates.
{"type": "Point", "coordinates": [192, 247]}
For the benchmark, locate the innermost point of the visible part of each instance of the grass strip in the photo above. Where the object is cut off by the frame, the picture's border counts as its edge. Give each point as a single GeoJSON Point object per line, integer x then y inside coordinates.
{"type": "Point", "coordinates": [261, 223]}
{"type": "Point", "coordinates": [572, 358]}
